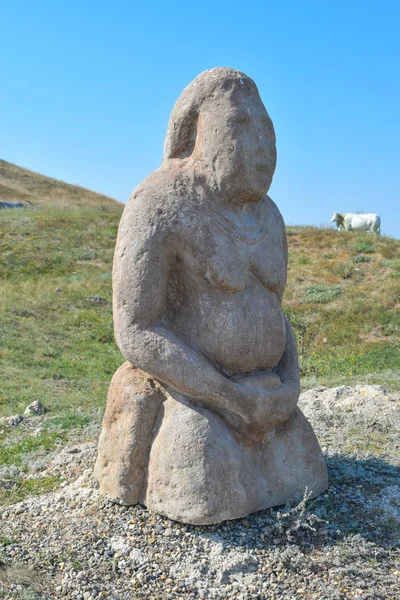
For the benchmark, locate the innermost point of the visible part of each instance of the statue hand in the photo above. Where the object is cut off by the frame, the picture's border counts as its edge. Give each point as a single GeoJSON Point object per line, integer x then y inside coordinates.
{"type": "Point", "coordinates": [266, 380]}
{"type": "Point", "coordinates": [265, 403]}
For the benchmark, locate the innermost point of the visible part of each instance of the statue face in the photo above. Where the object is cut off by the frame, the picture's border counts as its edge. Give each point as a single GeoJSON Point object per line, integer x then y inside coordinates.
{"type": "Point", "coordinates": [237, 142]}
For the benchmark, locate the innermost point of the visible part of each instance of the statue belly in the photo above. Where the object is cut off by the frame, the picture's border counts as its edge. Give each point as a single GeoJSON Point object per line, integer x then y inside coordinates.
{"type": "Point", "coordinates": [241, 332]}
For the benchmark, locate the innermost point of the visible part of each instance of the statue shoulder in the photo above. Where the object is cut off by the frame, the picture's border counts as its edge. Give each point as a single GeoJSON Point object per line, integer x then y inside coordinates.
{"type": "Point", "coordinates": [155, 207]}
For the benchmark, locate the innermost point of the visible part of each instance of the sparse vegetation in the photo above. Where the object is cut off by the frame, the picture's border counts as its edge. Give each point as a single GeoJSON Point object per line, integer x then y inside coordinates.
{"type": "Point", "coordinates": [322, 293]}
{"type": "Point", "coordinates": [364, 245]}
{"type": "Point", "coordinates": [393, 264]}
{"type": "Point", "coordinates": [354, 337]}
{"type": "Point", "coordinates": [55, 309]}
{"type": "Point", "coordinates": [7, 541]}
{"type": "Point", "coordinates": [18, 184]}
{"type": "Point", "coordinates": [58, 347]}
{"type": "Point", "coordinates": [343, 269]}
{"type": "Point", "coordinates": [27, 488]}
{"type": "Point", "coordinates": [68, 421]}
{"type": "Point", "coordinates": [361, 258]}
{"type": "Point", "coordinates": [15, 447]}
{"type": "Point", "coordinates": [56, 314]}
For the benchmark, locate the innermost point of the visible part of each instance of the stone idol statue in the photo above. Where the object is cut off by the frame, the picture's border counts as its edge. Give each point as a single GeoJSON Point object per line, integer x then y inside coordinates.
{"type": "Point", "coordinates": [201, 423]}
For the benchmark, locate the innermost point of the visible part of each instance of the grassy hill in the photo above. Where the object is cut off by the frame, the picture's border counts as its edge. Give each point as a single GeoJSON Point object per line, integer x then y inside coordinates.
{"type": "Point", "coordinates": [18, 184]}
{"type": "Point", "coordinates": [343, 298]}
{"type": "Point", "coordinates": [57, 344]}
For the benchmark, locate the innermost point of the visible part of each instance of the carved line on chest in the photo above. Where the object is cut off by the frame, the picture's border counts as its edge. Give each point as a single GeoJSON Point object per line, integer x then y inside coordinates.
{"type": "Point", "coordinates": [247, 235]}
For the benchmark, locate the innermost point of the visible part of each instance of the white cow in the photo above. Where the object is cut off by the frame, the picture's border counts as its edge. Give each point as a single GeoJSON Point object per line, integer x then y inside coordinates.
{"type": "Point", "coordinates": [352, 222]}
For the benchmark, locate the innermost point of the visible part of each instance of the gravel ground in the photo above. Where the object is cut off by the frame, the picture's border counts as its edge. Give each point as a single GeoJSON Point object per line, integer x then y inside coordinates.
{"type": "Point", "coordinates": [345, 544]}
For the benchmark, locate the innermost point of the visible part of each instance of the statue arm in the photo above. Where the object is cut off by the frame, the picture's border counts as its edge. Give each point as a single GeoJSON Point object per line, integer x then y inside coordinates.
{"type": "Point", "coordinates": [281, 401]}
{"type": "Point", "coordinates": [288, 367]}
{"type": "Point", "coordinates": [272, 397]}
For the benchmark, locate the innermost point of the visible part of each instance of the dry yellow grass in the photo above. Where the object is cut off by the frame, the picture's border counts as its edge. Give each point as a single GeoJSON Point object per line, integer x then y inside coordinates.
{"type": "Point", "coordinates": [18, 184]}
{"type": "Point", "coordinates": [343, 297]}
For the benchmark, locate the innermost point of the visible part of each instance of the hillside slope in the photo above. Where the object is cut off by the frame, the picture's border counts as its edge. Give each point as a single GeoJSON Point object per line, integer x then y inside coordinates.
{"type": "Point", "coordinates": [18, 184]}
{"type": "Point", "coordinates": [343, 299]}
{"type": "Point", "coordinates": [57, 344]}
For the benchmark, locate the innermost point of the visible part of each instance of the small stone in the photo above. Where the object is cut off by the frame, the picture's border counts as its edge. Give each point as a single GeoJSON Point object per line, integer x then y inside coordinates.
{"type": "Point", "coordinates": [137, 556]}
{"type": "Point", "coordinates": [119, 545]}
{"type": "Point", "coordinates": [35, 409]}
{"type": "Point", "coordinates": [95, 299]}
{"type": "Point", "coordinates": [168, 532]}
{"type": "Point", "coordinates": [13, 421]}
{"type": "Point", "coordinates": [11, 472]}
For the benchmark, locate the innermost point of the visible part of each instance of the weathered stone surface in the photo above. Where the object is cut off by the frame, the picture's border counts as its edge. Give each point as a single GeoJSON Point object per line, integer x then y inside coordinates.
{"type": "Point", "coordinates": [12, 421]}
{"type": "Point", "coordinates": [134, 401]}
{"type": "Point", "coordinates": [205, 426]}
{"type": "Point", "coordinates": [35, 409]}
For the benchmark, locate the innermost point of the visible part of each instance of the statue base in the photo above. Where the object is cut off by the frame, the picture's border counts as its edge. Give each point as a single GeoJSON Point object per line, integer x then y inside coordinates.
{"type": "Point", "coordinates": [183, 461]}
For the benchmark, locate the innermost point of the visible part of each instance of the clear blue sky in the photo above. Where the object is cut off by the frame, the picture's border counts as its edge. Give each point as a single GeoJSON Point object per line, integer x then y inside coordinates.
{"type": "Point", "coordinates": [86, 89]}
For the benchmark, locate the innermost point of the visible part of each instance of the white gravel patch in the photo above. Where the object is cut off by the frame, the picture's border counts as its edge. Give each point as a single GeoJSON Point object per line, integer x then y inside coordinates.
{"type": "Point", "coordinates": [345, 544]}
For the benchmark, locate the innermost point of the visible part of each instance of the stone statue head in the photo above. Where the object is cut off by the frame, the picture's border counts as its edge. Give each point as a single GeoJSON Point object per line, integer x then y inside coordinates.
{"type": "Point", "coordinates": [220, 128]}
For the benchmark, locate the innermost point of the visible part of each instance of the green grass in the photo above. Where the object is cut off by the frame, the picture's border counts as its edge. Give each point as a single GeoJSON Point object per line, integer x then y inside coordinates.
{"type": "Point", "coordinates": [15, 446]}
{"type": "Point", "coordinates": [347, 324]}
{"type": "Point", "coordinates": [364, 245]}
{"type": "Point", "coordinates": [57, 341]}
{"type": "Point", "coordinates": [68, 421]}
{"type": "Point", "coordinates": [28, 488]}
{"type": "Point", "coordinates": [393, 264]}
{"type": "Point", "coordinates": [57, 336]}
{"type": "Point", "coordinates": [7, 541]}
{"type": "Point", "coordinates": [361, 258]}
{"type": "Point", "coordinates": [344, 270]}
{"type": "Point", "coordinates": [321, 293]}
{"type": "Point", "coordinates": [347, 365]}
